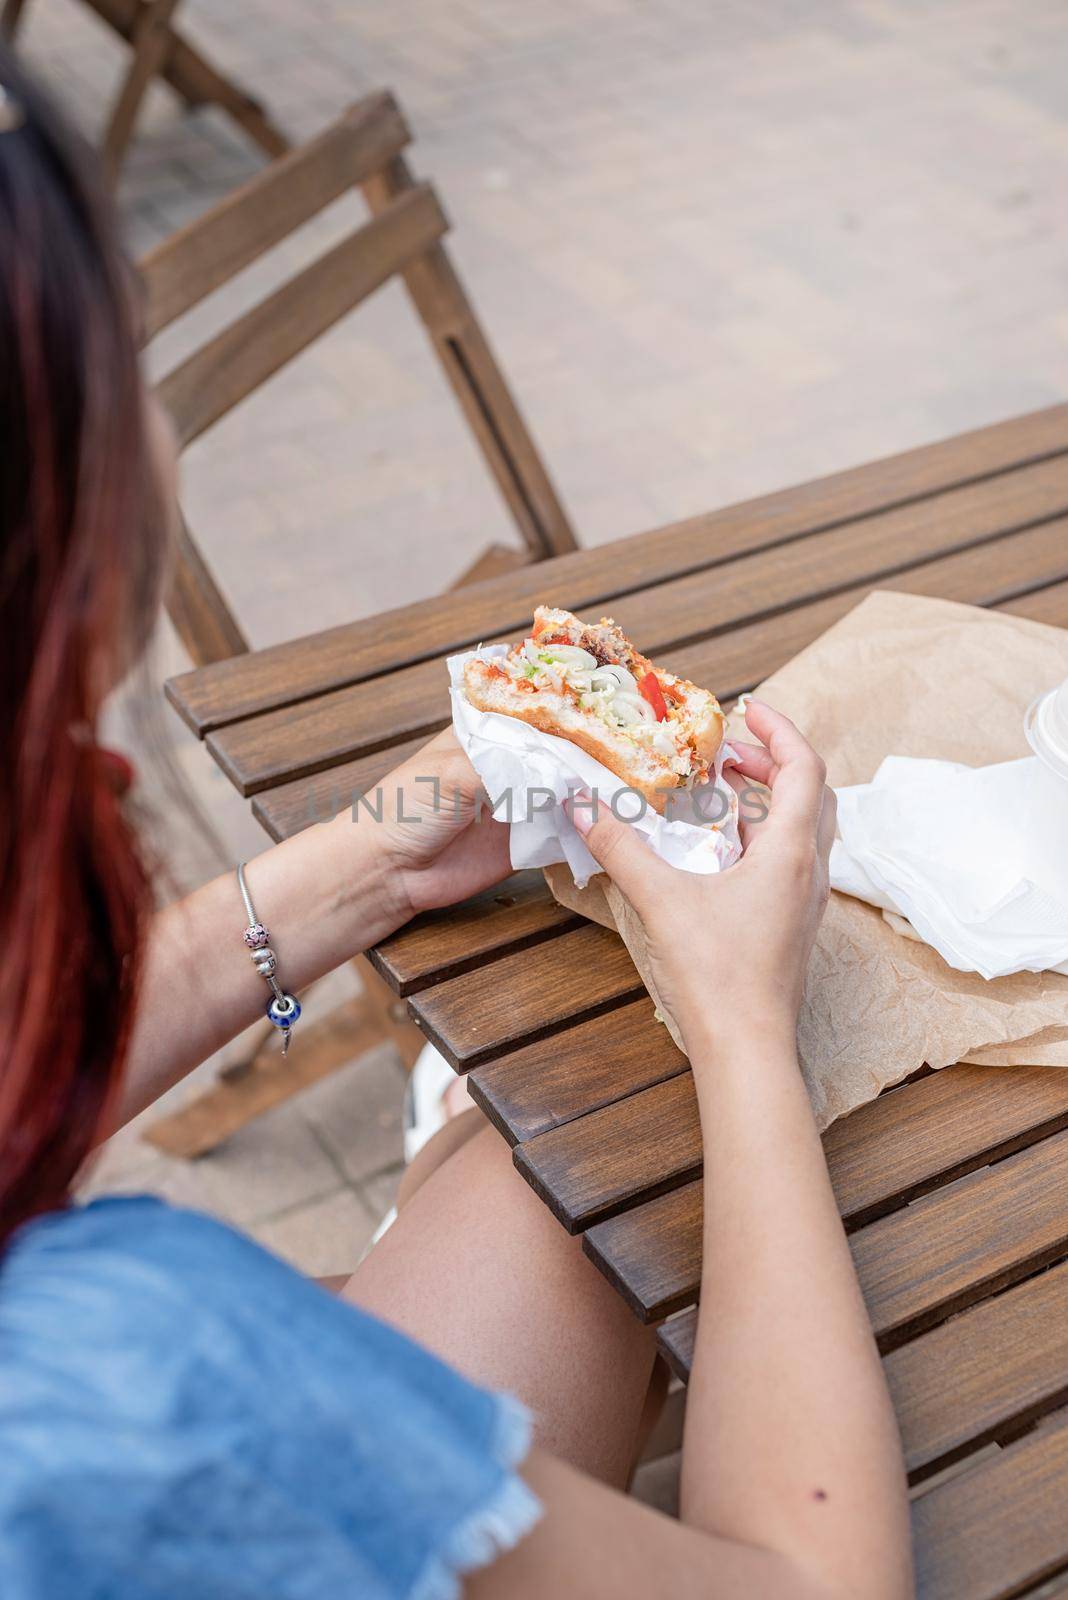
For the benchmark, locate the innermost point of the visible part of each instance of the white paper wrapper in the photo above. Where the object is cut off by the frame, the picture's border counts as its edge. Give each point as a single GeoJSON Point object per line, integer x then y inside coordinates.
{"type": "Point", "coordinates": [975, 858]}
{"type": "Point", "coordinates": [539, 771]}
{"type": "Point", "coordinates": [906, 675]}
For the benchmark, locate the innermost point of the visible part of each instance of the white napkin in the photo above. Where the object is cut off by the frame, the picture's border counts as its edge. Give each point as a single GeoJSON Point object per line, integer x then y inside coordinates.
{"type": "Point", "coordinates": [539, 771]}
{"type": "Point", "coordinates": [975, 858]}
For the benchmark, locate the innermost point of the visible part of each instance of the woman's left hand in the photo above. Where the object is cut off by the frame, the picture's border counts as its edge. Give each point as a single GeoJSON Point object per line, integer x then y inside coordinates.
{"type": "Point", "coordinates": [441, 841]}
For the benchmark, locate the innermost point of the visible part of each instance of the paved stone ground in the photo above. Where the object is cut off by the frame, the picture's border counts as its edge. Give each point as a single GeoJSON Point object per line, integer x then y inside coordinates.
{"type": "Point", "coordinates": [720, 247]}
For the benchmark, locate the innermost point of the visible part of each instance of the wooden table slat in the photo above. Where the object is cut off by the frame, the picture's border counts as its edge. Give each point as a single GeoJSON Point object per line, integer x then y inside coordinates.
{"type": "Point", "coordinates": [982, 1233]}
{"type": "Point", "coordinates": [937, 1129]}
{"type": "Point", "coordinates": [1055, 1588]}
{"type": "Point", "coordinates": [527, 996]}
{"type": "Point", "coordinates": [1003, 1361]}
{"type": "Point", "coordinates": [998, 1530]}
{"type": "Point", "coordinates": [1000, 1527]}
{"type": "Point", "coordinates": [740, 659]}
{"type": "Point", "coordinates": [261, 751]}
{"type": "Point", "coordinates": [299, 669]}
{"type": "Point", "coordinates": [916, 1266]}
{"type": "Point", "coordinates": [1048, 604]}
{"type": "Point", "coordinates": [890, 1149]}
{"type": "Point", "coordinates": [600, 1061]}
{"type": "Point", "coordinates": [676, 1339]}
{"type": "Point", "coordinates": [441, 944]}
{"type": "Point", "coordinates": [637, 1147]}
{"type": "Point", "coordinates": [1002, 573]}
{"type": "Point", "coordinates": [994, 1369]}
{"type": "Point", "coordinates": [291, 807]}
{"type": "Point", "coordinates": [651, 1254]}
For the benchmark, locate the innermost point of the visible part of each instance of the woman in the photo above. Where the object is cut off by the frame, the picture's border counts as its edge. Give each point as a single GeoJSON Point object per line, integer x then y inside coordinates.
{"type": "Point", "coordinates": [179, 1412]}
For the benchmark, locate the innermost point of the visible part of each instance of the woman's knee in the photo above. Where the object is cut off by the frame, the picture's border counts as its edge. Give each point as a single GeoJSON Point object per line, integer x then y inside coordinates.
{"type": "Point", "coordinates": [437, 1150]}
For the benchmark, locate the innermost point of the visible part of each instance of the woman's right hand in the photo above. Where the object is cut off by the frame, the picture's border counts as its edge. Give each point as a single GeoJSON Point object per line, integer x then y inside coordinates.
{"type": "Point", "coordinates": [729, 950]}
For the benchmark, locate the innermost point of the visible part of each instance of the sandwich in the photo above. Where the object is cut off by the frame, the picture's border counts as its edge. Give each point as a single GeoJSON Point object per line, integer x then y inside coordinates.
{"type": "Point", "coordinates": [585, 682]}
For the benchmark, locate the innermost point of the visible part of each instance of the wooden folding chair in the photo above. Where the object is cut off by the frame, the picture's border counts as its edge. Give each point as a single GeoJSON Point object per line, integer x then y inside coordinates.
{"type": "Point", "coordinates": [160, 51]}
{"type": "Point", "coordinates": [403, 237]}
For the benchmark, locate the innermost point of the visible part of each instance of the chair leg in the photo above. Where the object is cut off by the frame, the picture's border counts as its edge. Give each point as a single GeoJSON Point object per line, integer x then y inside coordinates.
{"type": "Point", "coordinates": [201, 618]}
{"type": "Point", "coordinates": [151, 42]}
{"type": "Point", "coordinates": [194, 78]}
{"type": "Point", "coordinates": [477, 380]}
{"type": "Point", "coordinates": [124, 16]}
{"type": "Point", "coordinates": [208, 84]}
{"type": "Point", "coordinates": [10, 17]}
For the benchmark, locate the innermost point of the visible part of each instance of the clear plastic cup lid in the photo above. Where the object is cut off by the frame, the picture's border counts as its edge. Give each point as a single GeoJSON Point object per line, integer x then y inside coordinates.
{"type": "Point", "coordinates": [1046, 726]}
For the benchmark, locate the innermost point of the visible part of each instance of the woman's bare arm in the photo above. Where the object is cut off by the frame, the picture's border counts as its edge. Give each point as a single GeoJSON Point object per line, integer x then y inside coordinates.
{"type": "Point", "coordinates": [792, 1480]}
{"type": "Point", "coordinates": [420, 840]}
{"type": "Point", "coordinates": [594, 1543]}
{"type": "Point", "coordinates": [791, 1441]}
{"type": "Point", "coordinates": [322, 895]}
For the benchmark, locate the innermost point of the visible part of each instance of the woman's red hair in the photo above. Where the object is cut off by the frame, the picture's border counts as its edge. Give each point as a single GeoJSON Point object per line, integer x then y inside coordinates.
{"type": "Point", "coordinates": [78, 565]}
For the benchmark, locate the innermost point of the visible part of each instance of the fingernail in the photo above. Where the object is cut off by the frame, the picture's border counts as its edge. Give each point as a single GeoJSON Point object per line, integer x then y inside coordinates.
{"type": "Point", "coordinates": [580, 808]}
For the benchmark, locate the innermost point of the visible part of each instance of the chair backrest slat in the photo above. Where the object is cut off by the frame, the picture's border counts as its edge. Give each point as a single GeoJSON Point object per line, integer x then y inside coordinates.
{"type": "Point", "coordinates": [208, 252]}
{"type": "Point", "coordinates": [363, 151]}
{"type": "Point", "coordinates": [221, 373]}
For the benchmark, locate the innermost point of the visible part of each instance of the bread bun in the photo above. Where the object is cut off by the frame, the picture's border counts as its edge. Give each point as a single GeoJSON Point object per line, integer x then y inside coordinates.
{"type": "Point", "coordinates": [586, 683]}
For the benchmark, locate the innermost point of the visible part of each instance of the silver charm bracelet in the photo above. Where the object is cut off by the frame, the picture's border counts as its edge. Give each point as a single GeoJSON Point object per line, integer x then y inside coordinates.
{"type": "Point", "coordinates": [282, 1009]}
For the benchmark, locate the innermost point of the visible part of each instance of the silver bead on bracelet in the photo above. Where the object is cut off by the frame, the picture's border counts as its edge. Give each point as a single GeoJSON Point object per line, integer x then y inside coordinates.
{"type": "Point", "coordinates": [282, 1009]}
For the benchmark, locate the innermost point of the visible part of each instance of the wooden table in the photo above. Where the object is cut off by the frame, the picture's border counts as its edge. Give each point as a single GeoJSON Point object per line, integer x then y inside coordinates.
{"type": "Point", "coordinates": [953, 1186]}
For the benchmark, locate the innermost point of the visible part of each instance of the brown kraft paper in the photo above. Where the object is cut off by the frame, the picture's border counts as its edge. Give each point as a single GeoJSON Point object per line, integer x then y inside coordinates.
{"type": "Point", "coordinates": [899, 675]}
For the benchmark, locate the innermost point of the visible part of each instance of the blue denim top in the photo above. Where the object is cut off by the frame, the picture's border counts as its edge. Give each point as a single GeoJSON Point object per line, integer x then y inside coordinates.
{"type": "Point", "coordinates": [181, 1414]}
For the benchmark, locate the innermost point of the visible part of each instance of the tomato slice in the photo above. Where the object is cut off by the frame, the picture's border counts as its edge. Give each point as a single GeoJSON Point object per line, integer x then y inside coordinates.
{"type": "Point", "coordinates": [649, 689]}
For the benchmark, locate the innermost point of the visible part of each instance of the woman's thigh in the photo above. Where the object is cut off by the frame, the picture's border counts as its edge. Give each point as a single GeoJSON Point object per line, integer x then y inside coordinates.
{"type": "Point", "coordinates": [477, 1269]}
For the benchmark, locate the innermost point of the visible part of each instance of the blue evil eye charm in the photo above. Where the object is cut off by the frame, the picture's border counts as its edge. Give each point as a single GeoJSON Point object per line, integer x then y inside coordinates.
{"type": "Point", "coordinates": [283, 1012]}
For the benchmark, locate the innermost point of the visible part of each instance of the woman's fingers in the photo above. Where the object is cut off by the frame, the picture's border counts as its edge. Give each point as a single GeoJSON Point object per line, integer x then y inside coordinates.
{"type": "Point", "coordinates": [755, 760]}
{"type": "Point", "coordinates": [754, 802]}
{"type": "Point", "coordinates": [798, 784]}
{"type": "Point", "coordinates": [440, 779]}
{"type": "Point", "coordinates": [619, 849]}
{"type": "Point", "coordinates": [750, 774]}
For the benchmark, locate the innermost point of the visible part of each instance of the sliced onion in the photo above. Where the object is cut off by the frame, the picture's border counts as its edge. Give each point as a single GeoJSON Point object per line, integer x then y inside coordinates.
{"type": "Point", "coordinates": [626, 709]}
{"type": "Point", "coordinates": [611, 677]}
{"type": "Point", "coordinates": [640, 705]}
{"type": "Point", "coordinates": [568, 655]}
{"type": "Point", "coordinates": [663, 743]}
{"type": "Point", "coordinates": [575, 656]}
{"type": "Point", "coordinates": [599, 703]}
